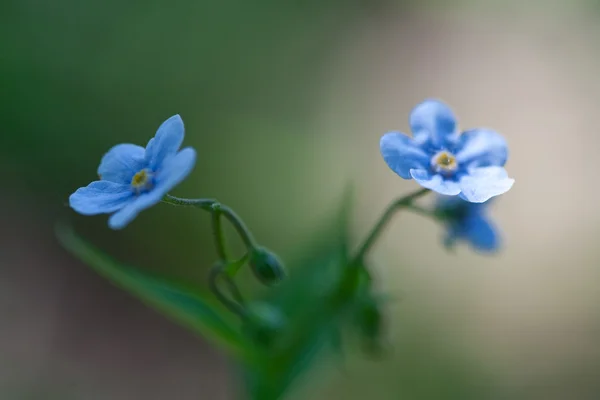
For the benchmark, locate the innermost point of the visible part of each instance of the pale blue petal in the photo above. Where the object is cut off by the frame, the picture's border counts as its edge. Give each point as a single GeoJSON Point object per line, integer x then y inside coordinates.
{"type": "Point", "coordinates": [481, 148]}
{"type": "Point", "coordinates": [174, 170]}
{"type": "Point", "coordinates": [435, 182]}
{"type": "Point", "coordinates": [481, 234]}
{"type": "Point", "coordinates": [468, 222]}
{"type": "Point", "coordinates": [165, 143]}
{"type": "Point", "coordinates": [401, 153]}
{"type": "Point", "coordinates": [121, 162]}
{"type": "Point", "coordinates": [434, 121]}
{"type": "Point", "coordinates": [481, 184]}
{"type": "Point", "coordinates": [100, 197]}
{"type": "Point", "coordinates": [124, 216]}
{"type": "Point", "coordinates": [457, 204]}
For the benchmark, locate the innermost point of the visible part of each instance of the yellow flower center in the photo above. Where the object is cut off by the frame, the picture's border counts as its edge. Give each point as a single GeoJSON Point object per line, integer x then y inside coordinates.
{"type": "Point", "coordinates": [142, 181]}
{"type": "Point", "coordinates": [444, 162]}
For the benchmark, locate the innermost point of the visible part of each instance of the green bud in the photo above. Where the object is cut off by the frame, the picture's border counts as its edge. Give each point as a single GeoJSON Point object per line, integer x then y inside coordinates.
{"type": "Point", "coordinates": [266, 266]}
{"type": "Point", "coordinates": [370, 322]}
{"type": "Point", "coordinates": [264, 322]}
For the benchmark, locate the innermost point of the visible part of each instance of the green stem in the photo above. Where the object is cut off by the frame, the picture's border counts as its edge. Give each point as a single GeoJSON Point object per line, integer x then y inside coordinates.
{"type": "Point", "coordinates": [233, 267]}
{"type": "Point", "coordinates": [218, 232]}
{"type": "Point", "coordinates": [425, 212]}
{"type": "Point", "coordinates": [404, 202]}
{"type": "Point", "coordinates": [223, 269]}
{"type": "Point", "coordinates": [344, 294]}
{"type": "Point", "coordinates": [209, 205]}
{"type": "Point", "coordinates": [234, 306]}
{"type": "Point", "coordinates": [205, 204]}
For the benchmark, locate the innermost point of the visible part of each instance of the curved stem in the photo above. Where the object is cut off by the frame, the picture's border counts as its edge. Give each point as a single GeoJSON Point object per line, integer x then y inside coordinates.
{"type": "Point", "coordinates": [223, 269]}
{"type": "Point", "coordinates": [239, 226]}
{"type": "Point", "coordinates": [397, 205]}
{"type": "Point", "coordinates": [234, 290]}
{"type": "Point", "coordinates": [425, 212]}
{"type": "Point", "coordinates": [205, 204]}
{"type": "Point", "coordinates": [233, 267]}
{"type": "Point", "coordinates": [218, 233]}
{"type": "Point", "coordinates": [233, 306]}
{"type": "Point", "coordinates": [209, 205]}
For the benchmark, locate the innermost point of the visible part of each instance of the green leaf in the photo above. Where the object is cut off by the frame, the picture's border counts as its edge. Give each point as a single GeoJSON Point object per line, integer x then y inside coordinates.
{"type": "Point", "coordinates": [311, 324]}
{"type": "Point", "coordinates": [314, 315]}
{"type": "Point", "coordinates": [314, 306]}
{"type": "Point", "coordinates": [189, 306]}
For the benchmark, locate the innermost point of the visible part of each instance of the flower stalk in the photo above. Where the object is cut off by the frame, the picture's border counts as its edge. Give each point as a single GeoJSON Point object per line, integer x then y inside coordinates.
{"type": "Point", "coordinates": [397, 205]}
{"type": "Point", "coordinates": [225, 269]}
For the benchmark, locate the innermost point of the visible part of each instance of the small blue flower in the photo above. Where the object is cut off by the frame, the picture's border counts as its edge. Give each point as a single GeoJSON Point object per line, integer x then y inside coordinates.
{"type": "Point", "coordinates": [133, 178]}
{"type": "Point", "coordinates": [468, 221]}
{"type": "Point", "coordinates": [469, 164]}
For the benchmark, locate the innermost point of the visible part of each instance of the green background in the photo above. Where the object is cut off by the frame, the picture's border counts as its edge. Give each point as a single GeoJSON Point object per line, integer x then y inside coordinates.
{"type": "Point", "coordinates": [273, 103]}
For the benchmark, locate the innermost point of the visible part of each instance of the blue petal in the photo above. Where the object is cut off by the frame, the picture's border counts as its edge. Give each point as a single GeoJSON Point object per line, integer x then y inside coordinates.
{"type": "Point", "coordinates": [124, 216]}
{"type": "Point", "coordinates": [165, 143]}
{"type": "Point", "coordinates": [481, 234]}
{"type": "Point", "coordinates": [481, 184]}
{"type": "Point", "coordinates": [481, 148]}
{"type": "Point", "coordinates": [435, 182]}
{"type": "Point", "coordinates": [446, 203]}
{"type": "Point", "coordinates": [457, 203]}
{"type": "Point", "coordinates": [174, 170]}
{"type": "Point", "coordinates": [433, 121]}
{"type": "Point", "coordinates": [121, 162]}
{"type": "Point", "coordinates": [100, 197]}
{"type": "Point", "coordinates": [401, 153]}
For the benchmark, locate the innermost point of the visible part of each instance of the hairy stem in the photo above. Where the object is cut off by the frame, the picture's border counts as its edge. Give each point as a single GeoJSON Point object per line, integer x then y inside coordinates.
{"type": "Point", "coordinates": [210, 205]}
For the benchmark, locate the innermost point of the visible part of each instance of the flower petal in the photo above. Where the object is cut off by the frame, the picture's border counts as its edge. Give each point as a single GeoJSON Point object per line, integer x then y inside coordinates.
{"type": "Point", "coordinates": [434, 121]}
{"type": "Point", "coordinates": [174, 170]}
{"type": "Point", "coordinates": [165, 143]}
{"type": "Point", "coordinates": [100, 197]}
{"type": "Point", "coordinates": [481, 184]}
{"type": "Point", "coordinates": [121, 162]}
{"type": "Point", "coordinates": [435, 182]}
{"type": "Point", "coordinates": [481, 148]}
{"type": "Point", "coordinates": [481, 234]}
{"type": "Point", "coordinates": [124, 216]}
{"type": "Point", "coordinates": [401, 153]}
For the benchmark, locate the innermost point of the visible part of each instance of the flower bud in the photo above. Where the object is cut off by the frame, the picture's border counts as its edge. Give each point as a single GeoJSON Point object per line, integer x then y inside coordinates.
{"type": "Point", "coordinates": [266, 266]}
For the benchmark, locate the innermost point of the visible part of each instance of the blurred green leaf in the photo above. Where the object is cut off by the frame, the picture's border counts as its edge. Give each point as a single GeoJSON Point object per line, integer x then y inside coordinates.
{"type": "Point", "coordinates": [315, 312]}
{"type": "Point", "coordinates": [311, 324]}
{"type": "Point", "coordinates": [189, 306]}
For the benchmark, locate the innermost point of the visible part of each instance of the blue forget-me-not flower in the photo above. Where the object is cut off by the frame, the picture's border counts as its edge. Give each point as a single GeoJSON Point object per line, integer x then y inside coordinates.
{"type": "Point", "coordinates": [468, 221]}
{"type": "Point", "coordinates": [438, 157]}
{"type": "Point", "coordinates": [133, 178]}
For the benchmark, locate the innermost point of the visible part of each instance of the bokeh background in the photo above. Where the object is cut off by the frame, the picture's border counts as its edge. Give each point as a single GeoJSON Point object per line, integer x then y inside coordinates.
{"type": "Point", "coordinates": [285, 103]}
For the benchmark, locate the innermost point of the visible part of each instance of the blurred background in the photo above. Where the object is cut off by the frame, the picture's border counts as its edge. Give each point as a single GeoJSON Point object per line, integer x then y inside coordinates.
{"type": "Point", "coordinates": [285, 103]}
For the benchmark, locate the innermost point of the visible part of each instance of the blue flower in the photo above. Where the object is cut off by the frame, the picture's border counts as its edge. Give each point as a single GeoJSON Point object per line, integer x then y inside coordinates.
{"type": "Point", "coordinates": [469, 164]}
{"type": "Point", "coordinates": [133, 178]}
{"type": "Point", "coordinates": [468, 221]}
